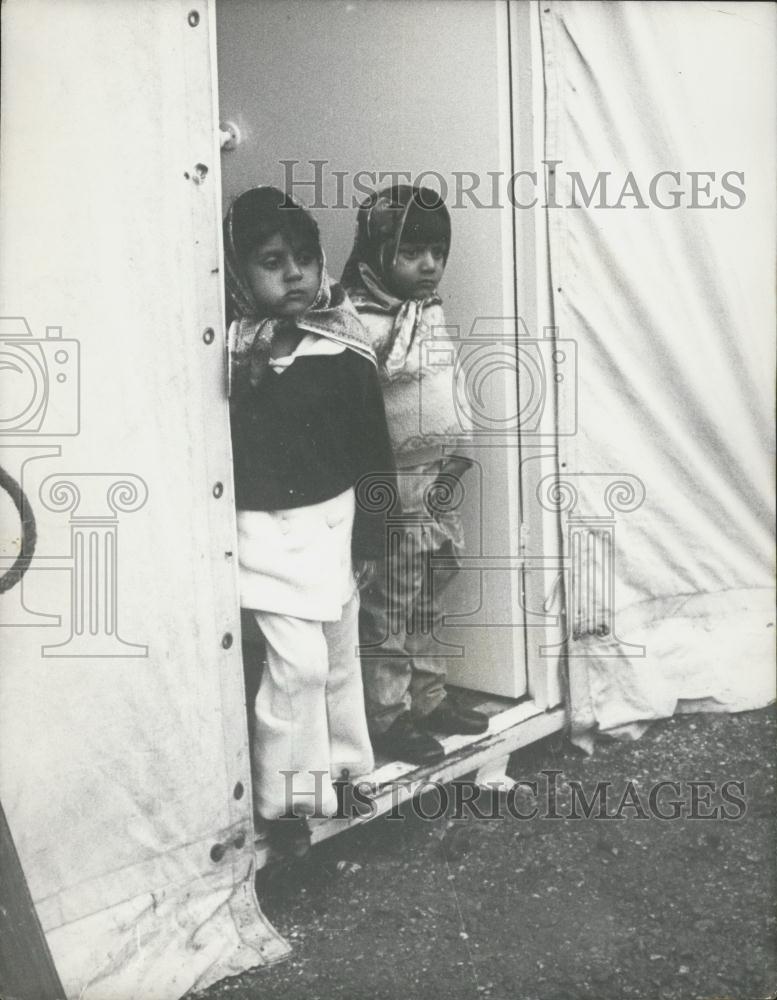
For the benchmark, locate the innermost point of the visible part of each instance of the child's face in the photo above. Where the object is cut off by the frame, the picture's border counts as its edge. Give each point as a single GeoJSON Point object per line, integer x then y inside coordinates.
{"type": "Point", "coordinates": [284, 280]}
{"type": "Point", "coordinates": [417, 271]}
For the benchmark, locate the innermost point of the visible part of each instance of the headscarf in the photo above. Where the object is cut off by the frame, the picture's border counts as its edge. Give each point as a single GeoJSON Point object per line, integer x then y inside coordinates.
{"type": "Point", "coordinates": [386, 219]}
{"type": "Point", "coordinates": [331, 315]}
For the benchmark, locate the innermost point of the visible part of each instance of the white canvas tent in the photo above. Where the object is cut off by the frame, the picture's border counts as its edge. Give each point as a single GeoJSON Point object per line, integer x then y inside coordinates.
{"type": "Point", "coordinates": [673, 314]}
{"type": "Point", "coordinates": [124, 765]}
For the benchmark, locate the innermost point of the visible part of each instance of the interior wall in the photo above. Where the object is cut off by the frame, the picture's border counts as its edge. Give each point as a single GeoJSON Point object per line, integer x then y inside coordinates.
{"type": "Point", "coordinates": [402, 86]}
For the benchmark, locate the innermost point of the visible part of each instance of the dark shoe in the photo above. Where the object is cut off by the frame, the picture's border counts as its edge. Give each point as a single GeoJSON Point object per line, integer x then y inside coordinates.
{"type": "Point", "coordinates": [404, 741]}
{"type": "Point", "coordinates": [451, 718]}
{"type": "Point", "coordinates": [289, 835]}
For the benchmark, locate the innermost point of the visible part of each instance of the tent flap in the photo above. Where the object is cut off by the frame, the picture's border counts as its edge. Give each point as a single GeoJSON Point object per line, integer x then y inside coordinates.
{"type": "Point", "coordinates": [661, 150]}
{"type": "Point", "coordinates": [124, 767]}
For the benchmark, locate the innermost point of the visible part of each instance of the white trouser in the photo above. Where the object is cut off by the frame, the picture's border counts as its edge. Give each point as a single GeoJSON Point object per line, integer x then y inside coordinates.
{"type": "Point", "coordinates": [309, 713]}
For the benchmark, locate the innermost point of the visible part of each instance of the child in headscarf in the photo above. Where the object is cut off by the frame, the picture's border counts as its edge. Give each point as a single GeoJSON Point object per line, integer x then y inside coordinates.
{"type": "Point", "coordinates": [403, 238]}
{"type": "Point", "coordinates": [307, 423]}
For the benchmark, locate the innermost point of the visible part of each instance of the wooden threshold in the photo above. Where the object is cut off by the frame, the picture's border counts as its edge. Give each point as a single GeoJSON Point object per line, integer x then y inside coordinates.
{"type": "Point", "coordinates": [395, 782]}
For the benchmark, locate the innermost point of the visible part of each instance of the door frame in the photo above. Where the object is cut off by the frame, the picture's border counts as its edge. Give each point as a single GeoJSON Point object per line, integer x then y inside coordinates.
{"type": "Point", "coordinates": [541, 712]}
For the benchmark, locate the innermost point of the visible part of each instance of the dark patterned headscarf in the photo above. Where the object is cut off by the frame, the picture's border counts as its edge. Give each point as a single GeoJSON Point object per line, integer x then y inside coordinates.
{"type": "Point", "coordinates": [398, 214]}
{"type": "Point", "coordinates": [251, 219]}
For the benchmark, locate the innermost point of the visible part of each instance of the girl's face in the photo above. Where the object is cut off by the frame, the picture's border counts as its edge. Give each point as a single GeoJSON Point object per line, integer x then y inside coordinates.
{"type": "Point", "coordinates": [284, 280]}
{"type": "Point", "coordinates": [417, 271]}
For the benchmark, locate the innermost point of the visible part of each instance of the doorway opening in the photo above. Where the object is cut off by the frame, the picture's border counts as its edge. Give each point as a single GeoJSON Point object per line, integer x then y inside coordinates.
{"type": "Point", "coordinates": [331, 114]}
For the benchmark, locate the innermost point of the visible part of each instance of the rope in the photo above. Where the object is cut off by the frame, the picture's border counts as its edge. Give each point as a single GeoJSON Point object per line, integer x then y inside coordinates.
{"type": "Point", "coordinates": [22, 562]}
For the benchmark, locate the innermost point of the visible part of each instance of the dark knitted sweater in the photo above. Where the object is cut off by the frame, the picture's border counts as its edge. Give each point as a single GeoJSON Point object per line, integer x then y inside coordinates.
{"type": "Point", "coordinates": [307, 434]}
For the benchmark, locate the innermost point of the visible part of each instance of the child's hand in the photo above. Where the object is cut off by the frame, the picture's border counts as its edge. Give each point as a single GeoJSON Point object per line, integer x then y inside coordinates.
{"type": "Point", "coordinates": [455, 465]}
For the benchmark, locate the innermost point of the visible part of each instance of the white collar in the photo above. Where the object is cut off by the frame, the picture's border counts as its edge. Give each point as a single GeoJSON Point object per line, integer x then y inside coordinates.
{"type": "Point", "coordinates": [310, 345]}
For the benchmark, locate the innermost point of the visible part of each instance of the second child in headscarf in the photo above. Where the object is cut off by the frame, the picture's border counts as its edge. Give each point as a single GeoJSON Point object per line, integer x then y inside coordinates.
{"type": "Point", "coordinates": [402, 243]}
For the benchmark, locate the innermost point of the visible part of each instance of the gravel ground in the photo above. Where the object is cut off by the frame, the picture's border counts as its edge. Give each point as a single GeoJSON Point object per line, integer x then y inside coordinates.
{"type": "Point", "coordinates": [544, 909]}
